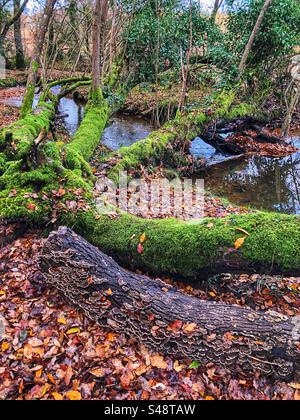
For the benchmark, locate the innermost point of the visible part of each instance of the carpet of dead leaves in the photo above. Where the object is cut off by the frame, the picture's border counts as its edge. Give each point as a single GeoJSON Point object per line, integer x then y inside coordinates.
{"type": "Point", "coordinates": [50, 351]}
{"type": "Point", "coordinates": [250, 146]}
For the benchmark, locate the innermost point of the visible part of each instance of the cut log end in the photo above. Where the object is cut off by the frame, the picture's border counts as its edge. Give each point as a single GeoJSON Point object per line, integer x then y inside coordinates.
{"type": "Point", "coordinates": [164, 318]}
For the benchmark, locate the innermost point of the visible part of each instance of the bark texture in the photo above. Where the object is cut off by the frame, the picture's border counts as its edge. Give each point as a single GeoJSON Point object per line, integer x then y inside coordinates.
{"type": "Point", "coordinates": [165, 319]}
{"type": "Point", "coordinates": [20, 59]}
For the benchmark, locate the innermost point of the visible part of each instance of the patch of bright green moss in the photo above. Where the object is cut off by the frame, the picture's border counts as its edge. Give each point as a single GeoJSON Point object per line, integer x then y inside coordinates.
{"type": "Point", "coordinates": [192, 249]}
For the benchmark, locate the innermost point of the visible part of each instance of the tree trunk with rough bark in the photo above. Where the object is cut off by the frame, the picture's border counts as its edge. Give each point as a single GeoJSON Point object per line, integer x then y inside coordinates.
{"type": "Point", "coordinates": [35, 61]}
{"type": "Point", "coordinates": [96, 48]}
{"type": "Point", "coordinates": [164, 318]}
{"type": "Point", "coordinates": [20, 59]}
{"type": "Point", "coordinates": [254, 33]}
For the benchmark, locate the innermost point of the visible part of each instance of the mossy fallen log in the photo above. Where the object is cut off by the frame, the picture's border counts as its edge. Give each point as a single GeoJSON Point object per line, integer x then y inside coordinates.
{"type": "Point", "coordinates": [16, 139]}
{"type": "Point", "coordinates": [30, 174]}
{"type": "Point", "coordinates": [166, 319]}
{"type": "Point", "coordinates": [196, 249]}
{"type": "Point", "coordinates": [184, 128]}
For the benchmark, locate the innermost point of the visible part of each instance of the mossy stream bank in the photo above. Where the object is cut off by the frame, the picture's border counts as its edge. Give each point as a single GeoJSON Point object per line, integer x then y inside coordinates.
{"type": "Point", "coordinates": [57, 185]}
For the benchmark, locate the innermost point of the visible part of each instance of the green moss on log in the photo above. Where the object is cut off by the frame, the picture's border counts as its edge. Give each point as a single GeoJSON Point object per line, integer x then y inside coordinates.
{"type": "Point", "coordinates": [153, 149]}
{"type": "Point", "coordinates": [89, 133]}
{"type": "Point", "coordinates": [28, 193]}
{"type": "Point", "coordinates": [18, 137]}
{"type": "Point", "coordinates": [192, 249]}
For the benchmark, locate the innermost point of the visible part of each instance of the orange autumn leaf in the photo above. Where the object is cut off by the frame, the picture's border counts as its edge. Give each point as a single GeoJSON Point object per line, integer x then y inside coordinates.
{"type": "Point", "coordinates": [51, 379]}
{"type": "Point", "coordinates": [62, 321]}
{"type": "Point", "coordinates": [143, 238]}
{"type": "Point", "coordinates": [126, 378]}
{"type": "Point", "coordinates": [178, 367]}
{"type": "Point", "coordinates": [28, 351]}
{"type": "Point", "coordinates": [109, 292]}
{"type": "Point", "coordinates": [111, 337]}
{"type": "Point", "coordinates": [98, 373]}
{"type": "Point", "coordinates": [73, 395]}
{"type": "Point", "coordinates": [189, 328]}
{"type": "Point", "coordinates": [4, 346]}
{"type": "Point", "coordinates": [239, 243]}
{"type": "Point", "coordinates": [39, 373]}
{"type": "Point", "coordinates": [57, 396]}
{"type": "Point", "coordinates": [69, 375]}
{"type": "Point", "coordinates": [158, 361]}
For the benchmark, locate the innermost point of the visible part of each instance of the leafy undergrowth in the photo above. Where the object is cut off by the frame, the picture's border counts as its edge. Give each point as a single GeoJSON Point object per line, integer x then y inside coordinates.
{"type": "Point", "coordinates": [50, 351]}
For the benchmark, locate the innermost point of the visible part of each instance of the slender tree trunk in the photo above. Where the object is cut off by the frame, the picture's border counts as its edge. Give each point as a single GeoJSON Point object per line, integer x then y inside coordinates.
{"type": "Point", "coordinates": [291, 107]}
{"type": "Point", "coordinates": [11, 21]}
{"type": "Point", "coordinates": [166, 319]}
{"type": "Point", "coordinates": [255, 31]}
{"type": "Point", "coordinates": [96, 48]}
{"type": "Point", "coordinates": [112, 44]}
{"type": "Point", "coordinates": [100, 17]}
{"type": "Point", "coordinates": [103, 50]}
{"type": "Point", "coordinates": [36, 59]}
{"type": "Point", "coordinates": [217, 5]}
{"type": "Point", "coordinates": [20, 60]}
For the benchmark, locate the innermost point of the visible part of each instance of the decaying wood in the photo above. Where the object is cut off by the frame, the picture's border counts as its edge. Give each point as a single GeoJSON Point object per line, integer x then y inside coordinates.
{"type": "Point", "coordinates": [164, 318]}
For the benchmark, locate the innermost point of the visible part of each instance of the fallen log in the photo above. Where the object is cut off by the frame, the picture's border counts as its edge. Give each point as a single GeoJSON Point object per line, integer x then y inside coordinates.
{"type": "Point", "coordinates": [166, 319]}
{"type": "Point", "coordinates": [195, 249]}
{"type": "Point", "coordinates": [156, 147]}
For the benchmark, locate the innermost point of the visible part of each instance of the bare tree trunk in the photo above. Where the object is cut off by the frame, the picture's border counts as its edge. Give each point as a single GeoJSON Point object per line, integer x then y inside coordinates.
{"type": "Point", "coordinates": [36, 59]}
{"type": "Point", "coordinates": [20, 60]}
{"type": "Point", "coordinates": [292, 94]}
{"type": "Point", "coordinates": [112, 44]}
{"type": "Point", "coordinates": [255, 31]}
{"type": "Point", "coordinates": [217, 5]}
{"type": "Point", "coordinates": [11, 21]}
{"type": "Point", "coordinates": [103, 50]}
{"type": "Point", "coordinates": [96, 47]}
{"type": "Point", "coordinates": [186, 69]}
{"type": "Point", "coordinates": [291, 107]}
{"type": "Point", "coordinates": [166, 319]}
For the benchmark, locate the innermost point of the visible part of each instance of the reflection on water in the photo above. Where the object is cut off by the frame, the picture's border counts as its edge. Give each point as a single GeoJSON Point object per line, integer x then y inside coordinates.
{"type": "Point", "coordinates": [202, 150]}
{"type": "Point", "coordinates": [73, 110]}
{"type": "Point", "coordinates": [125, 130]}
{"type": "Point", "coordinates": [265, 183]}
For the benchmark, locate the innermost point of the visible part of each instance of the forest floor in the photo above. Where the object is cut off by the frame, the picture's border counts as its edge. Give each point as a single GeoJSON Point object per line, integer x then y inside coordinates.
{"type": "Point", "coordinates": [50, 351]}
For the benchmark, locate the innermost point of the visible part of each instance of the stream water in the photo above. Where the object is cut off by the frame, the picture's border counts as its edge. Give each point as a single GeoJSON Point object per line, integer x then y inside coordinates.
{"type": "Point", "coordinates": [264, 183]}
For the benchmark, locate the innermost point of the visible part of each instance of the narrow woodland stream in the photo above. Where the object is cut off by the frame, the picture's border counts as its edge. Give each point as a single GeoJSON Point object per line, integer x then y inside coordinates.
{"type": "Point", "coordinates": [261, 182]}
